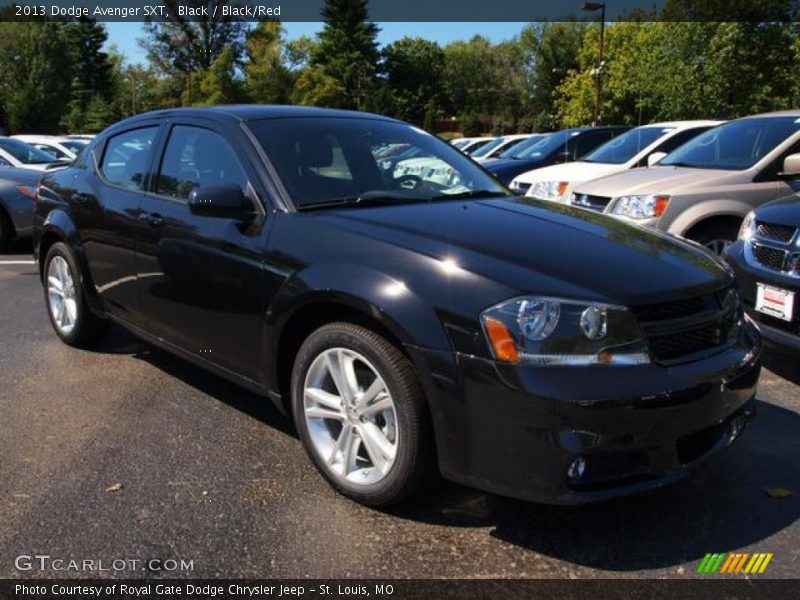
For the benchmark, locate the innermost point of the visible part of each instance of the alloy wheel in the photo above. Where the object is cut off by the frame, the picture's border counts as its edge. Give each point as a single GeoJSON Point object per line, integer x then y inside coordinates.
{"type": "Point", "coordinates": [351, 416]}
{"type": "Point", "coordinates": [718, 246]}
{"type": "Point", "coordinates": [61, 295]}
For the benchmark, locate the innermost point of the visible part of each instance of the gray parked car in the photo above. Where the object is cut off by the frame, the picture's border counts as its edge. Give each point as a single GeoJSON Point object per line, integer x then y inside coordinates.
{"type": "Point", "coordinates": [703, 189]}
{"type": "Point", "coordinates": [17, 194]}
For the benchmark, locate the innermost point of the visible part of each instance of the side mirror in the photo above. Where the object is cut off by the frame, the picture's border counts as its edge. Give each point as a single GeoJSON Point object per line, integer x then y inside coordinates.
{"type": "Point", "coordinates": [791, 167]}
{"type": "Point", "coordinates": [565, 156]}
{"type": "Point", "coordinates": [224, 201]}
{"type": "Point", "coordinates": [655, 157]}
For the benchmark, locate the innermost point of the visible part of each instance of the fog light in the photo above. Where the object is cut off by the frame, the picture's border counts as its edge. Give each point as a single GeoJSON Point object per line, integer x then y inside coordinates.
{"type": "Point", "coordinates": [576, 468]}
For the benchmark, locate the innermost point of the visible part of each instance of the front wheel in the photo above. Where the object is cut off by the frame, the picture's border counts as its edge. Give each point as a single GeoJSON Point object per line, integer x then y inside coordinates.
{"type": "Point", "coordinates": [716, 237]}
{"type": "Point", "coordinates": [360, 413]}
{"type": "Point", "coordinates": [70, 317]}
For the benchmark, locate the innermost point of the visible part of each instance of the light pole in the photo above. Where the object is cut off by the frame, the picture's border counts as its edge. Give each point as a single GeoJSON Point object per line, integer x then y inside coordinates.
{"type": "Point", "coordinates": [598, 71]}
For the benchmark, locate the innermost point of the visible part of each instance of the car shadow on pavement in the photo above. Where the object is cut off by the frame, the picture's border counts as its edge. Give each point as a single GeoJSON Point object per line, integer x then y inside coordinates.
{"type": "Point", "coordinates": [119, 341]}
{"type": "Point", "coordinates": [722, 507]}
{"type": "Point", "coordinates": [23, 246]}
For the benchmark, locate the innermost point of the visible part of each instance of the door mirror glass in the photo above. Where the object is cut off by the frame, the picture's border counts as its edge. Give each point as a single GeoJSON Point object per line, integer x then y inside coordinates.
{"type": "Point", "coordinates": [225, 201]}
{"type": "Point", "coordinates": [655, 157]}
{"type": "Point", "coordinates": [791, 166]}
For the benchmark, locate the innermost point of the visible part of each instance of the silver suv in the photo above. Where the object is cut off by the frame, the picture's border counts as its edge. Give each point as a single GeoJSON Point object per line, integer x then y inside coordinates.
{"type": "Point", "coordinates": [703, 189]}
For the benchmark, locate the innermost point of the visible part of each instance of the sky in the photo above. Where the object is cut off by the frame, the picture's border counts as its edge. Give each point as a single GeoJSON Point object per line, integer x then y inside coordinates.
{"type": "Point", "coordinates": [124, 35]}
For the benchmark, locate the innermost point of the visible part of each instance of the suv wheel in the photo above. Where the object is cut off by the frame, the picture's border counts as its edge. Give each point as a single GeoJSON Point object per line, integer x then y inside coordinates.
{"type": "Point", "coordinates": [71, 318]}
{"type": "Point", "coordinates": [716, 237]}
{"type": "Point", "coordinates": [360, 413]}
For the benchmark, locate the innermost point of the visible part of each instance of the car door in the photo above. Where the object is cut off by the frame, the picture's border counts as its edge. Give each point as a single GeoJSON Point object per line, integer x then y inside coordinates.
{"type": "Point", "coordinates": [200, 277]}
{"type": "Point", "coordinates": [106, 190]}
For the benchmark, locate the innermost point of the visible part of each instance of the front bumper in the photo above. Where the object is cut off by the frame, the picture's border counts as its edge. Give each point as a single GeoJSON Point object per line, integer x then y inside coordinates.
{"type": "Point", "coordinates": [515, 431]}
{"type": "Point", "coordinates": [775, 330]}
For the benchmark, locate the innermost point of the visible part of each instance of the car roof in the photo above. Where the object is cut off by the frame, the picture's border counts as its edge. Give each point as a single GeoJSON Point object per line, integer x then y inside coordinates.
{"type": "Point", "coordinates": [685, 124]}
{"type": "Point", "coordinates": [255, 112]}
{"type": "Point", "coordinates": [777, 113]}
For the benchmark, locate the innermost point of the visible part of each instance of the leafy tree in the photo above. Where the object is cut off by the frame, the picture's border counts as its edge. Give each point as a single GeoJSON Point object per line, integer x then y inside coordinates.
{"type": "Point", "coordinates": [268, 80]}
{"type": "Point", "coordinates": [216, 85]}
{"type": "Point", "coordinates": [414, 70]}
{"type": "Point", "coordinates": [35, 77]}
{"type": "Point", "coordinates": [468, 82]}
{"type": "Point", "coordinates": [347, 52]}
{"type": "Point", "coordinates": [182, 45]}
{"type": "Point", "coordinates": [550, 54]}
{"type": "Point", "coordinates": [314, 87]}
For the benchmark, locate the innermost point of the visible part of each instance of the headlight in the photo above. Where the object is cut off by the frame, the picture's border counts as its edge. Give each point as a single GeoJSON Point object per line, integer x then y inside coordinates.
{"type": "Point", "coordinates": [748, 226]}
{"type": "Point", "coordinates": [640, 207]}
{"type": "Point", "coordinates": [554, 331]}
{"type": "Point", "coordinates": [548, 190]}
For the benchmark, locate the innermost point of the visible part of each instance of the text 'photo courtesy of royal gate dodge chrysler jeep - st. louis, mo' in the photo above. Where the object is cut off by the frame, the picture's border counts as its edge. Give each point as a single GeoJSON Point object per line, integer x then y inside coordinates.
{"type": "Point", "coordinates": [410, 326]}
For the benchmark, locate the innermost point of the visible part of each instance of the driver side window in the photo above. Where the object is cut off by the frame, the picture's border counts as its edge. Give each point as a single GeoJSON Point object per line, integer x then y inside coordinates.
{"type": "Point", "coordinates": [194, 158]}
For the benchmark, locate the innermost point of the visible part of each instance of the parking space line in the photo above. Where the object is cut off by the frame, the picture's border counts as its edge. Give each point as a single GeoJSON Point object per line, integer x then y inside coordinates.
{"type": "Point", "coordinates": [17, 262]}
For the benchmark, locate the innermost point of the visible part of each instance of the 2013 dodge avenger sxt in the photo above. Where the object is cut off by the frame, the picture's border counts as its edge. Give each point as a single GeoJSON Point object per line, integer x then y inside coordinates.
{"type": "Point", "coordinates": [409, 324]}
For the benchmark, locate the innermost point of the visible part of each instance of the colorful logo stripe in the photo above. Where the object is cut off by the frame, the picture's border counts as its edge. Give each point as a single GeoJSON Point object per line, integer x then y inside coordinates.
{"type": "Point", "coordinates": [734, 563]}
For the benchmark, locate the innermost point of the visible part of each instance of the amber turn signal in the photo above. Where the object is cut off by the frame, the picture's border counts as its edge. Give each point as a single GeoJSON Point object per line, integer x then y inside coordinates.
{"type": "Point", "coordinates": [502, 343]}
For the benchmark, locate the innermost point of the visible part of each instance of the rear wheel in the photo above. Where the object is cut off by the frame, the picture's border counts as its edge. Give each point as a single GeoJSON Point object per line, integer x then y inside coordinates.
{"type": "Point", "coordinates": [70, 317]}
{"type": "Point", "coordinates": [716, 237]}
{"type": "Point", "coordinates": [361, 415]}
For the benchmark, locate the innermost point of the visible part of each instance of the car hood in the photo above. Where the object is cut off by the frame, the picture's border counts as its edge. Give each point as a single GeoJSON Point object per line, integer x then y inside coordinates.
{"type": "Point", "coordinates": [532, 246]}
{"type": "Point", "coordinates": [785, 211]}
{"type": "Point", "coordinates": [573, 172]}
{"type": "Point", "coordinates": [659, 180]}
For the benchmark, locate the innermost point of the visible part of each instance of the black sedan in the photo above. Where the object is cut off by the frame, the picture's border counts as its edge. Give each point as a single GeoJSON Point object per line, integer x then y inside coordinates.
{"type": "Point", "coordinates": [17, 193]}
{"type": "Point", "coordinates": [542, 151]}
{"type": "Point", "coordinates": [767, 262]}
{"type": "Point", "coordinates": [408, 325]}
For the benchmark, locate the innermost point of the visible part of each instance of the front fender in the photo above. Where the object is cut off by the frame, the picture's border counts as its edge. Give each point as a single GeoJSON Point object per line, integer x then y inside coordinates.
{"type": "Point", "coordinates": [399, 308]}
{"type": "Point", "coordinates": [707, 209]}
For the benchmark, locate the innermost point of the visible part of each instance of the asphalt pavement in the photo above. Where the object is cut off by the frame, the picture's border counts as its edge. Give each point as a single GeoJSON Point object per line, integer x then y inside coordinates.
{"type": "Point", "coordinates": [126, 453]}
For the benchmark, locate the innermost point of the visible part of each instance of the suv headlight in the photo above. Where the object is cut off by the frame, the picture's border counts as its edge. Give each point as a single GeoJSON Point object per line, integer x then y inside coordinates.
{"type": "Point", "coordinates": [640, 207]}
{"type": "Point", "coordinates": [554, 331]}
{"type": "Point", "coordinates": [748, 227]}
{"type": "Point", "coordinates": [548, 190]}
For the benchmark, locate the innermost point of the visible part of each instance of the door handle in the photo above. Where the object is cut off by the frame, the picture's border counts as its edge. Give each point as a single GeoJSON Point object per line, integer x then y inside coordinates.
{"type": "Point", "coordinates": [153, 219]}
{"type": "Point", "coordinates": [81, 198]}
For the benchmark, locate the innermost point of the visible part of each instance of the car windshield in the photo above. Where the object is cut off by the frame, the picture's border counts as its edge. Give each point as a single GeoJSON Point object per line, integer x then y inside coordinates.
{"type": "Point", "coordinates": [542, 147]}
{"type": "Point", "coordinates": [486, 149]}
{"type": "Point", "coordinates": [522, 146]}
{"type": "Point", "coordinates": [624, 147]}
{"type": "Point", "coordinates": [330, 160]}
{"type": "Point", "coordinates": [75, 146]}
{"type": "Point", "coordinates": [25, 153]}
{"type": "Point", "coordinates": [734, 146]}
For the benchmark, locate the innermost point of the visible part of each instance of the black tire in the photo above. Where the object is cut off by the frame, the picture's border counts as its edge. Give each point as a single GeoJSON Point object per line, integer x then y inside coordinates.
{"type": "Point", "coordinates": [415, 460]}
{"type": "Point", "coordinates": [6, 230]}
{"type": "Point", "coordinates": [88, 327]}
{"type": "Point", "coordinates": [715, 233]}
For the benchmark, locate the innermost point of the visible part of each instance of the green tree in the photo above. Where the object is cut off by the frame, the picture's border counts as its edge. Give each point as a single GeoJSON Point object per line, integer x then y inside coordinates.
{"type": "Point", "coordinates": [216, 85]}
{"type": "Point", "coordinates": [414, 70]}
{"type": "Point", "coordinates": [35, 70]}
{"type": "Point", "coordinates": [181, 46]}
{"type": "Point", "coordinates": [313, 87]}
{"type": "Point", "coordinates": [268, 80]}
{"type": "Point", "coordinates": [348, 51]}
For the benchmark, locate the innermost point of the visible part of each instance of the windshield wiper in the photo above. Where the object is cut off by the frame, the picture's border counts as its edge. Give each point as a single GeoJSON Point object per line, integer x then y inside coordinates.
{"type": "Point", "coordinates": [470, 194]}
{"type": "Point", "coordinates": [365, 199]}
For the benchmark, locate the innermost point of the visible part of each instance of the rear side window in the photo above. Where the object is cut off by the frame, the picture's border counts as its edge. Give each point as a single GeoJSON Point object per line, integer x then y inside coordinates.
{"type": "Point", "coordinates": [194, 158]}
{"type": "Point", "coordinates": [125, 160]}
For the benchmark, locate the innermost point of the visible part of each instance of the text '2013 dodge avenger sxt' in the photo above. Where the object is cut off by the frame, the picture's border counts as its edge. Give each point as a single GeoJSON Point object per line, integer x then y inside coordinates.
{"type": "Point", "coordinates": [409, 324]}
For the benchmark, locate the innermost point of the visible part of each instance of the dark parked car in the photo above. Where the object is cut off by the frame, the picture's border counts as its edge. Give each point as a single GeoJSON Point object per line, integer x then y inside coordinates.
{"type": "Point", "coordinates": [531, 349]}
{"type": "Point", "coordinates": [17, 193]}
{"type": "Point", "coordinates": [767, 262]}
{"type": "Point", "coordinates": [562, 146]}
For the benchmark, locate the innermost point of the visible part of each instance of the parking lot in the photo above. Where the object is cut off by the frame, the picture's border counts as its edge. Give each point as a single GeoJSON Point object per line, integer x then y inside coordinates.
{"type": "Point", "coordinates": [129, 453]}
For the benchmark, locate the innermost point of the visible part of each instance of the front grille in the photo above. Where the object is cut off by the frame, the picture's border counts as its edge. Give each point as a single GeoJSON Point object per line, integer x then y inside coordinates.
{"type": "Point", "coordinates": [682, 328]}
{"type": "Point", "coordinates": [597, 203]}
{"type": "Point", "coordinates": [773, 231]}
{"type": "Point", "coordinates": [772, 258]}
{"type": "Point", "coordinates": [671, 346]}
